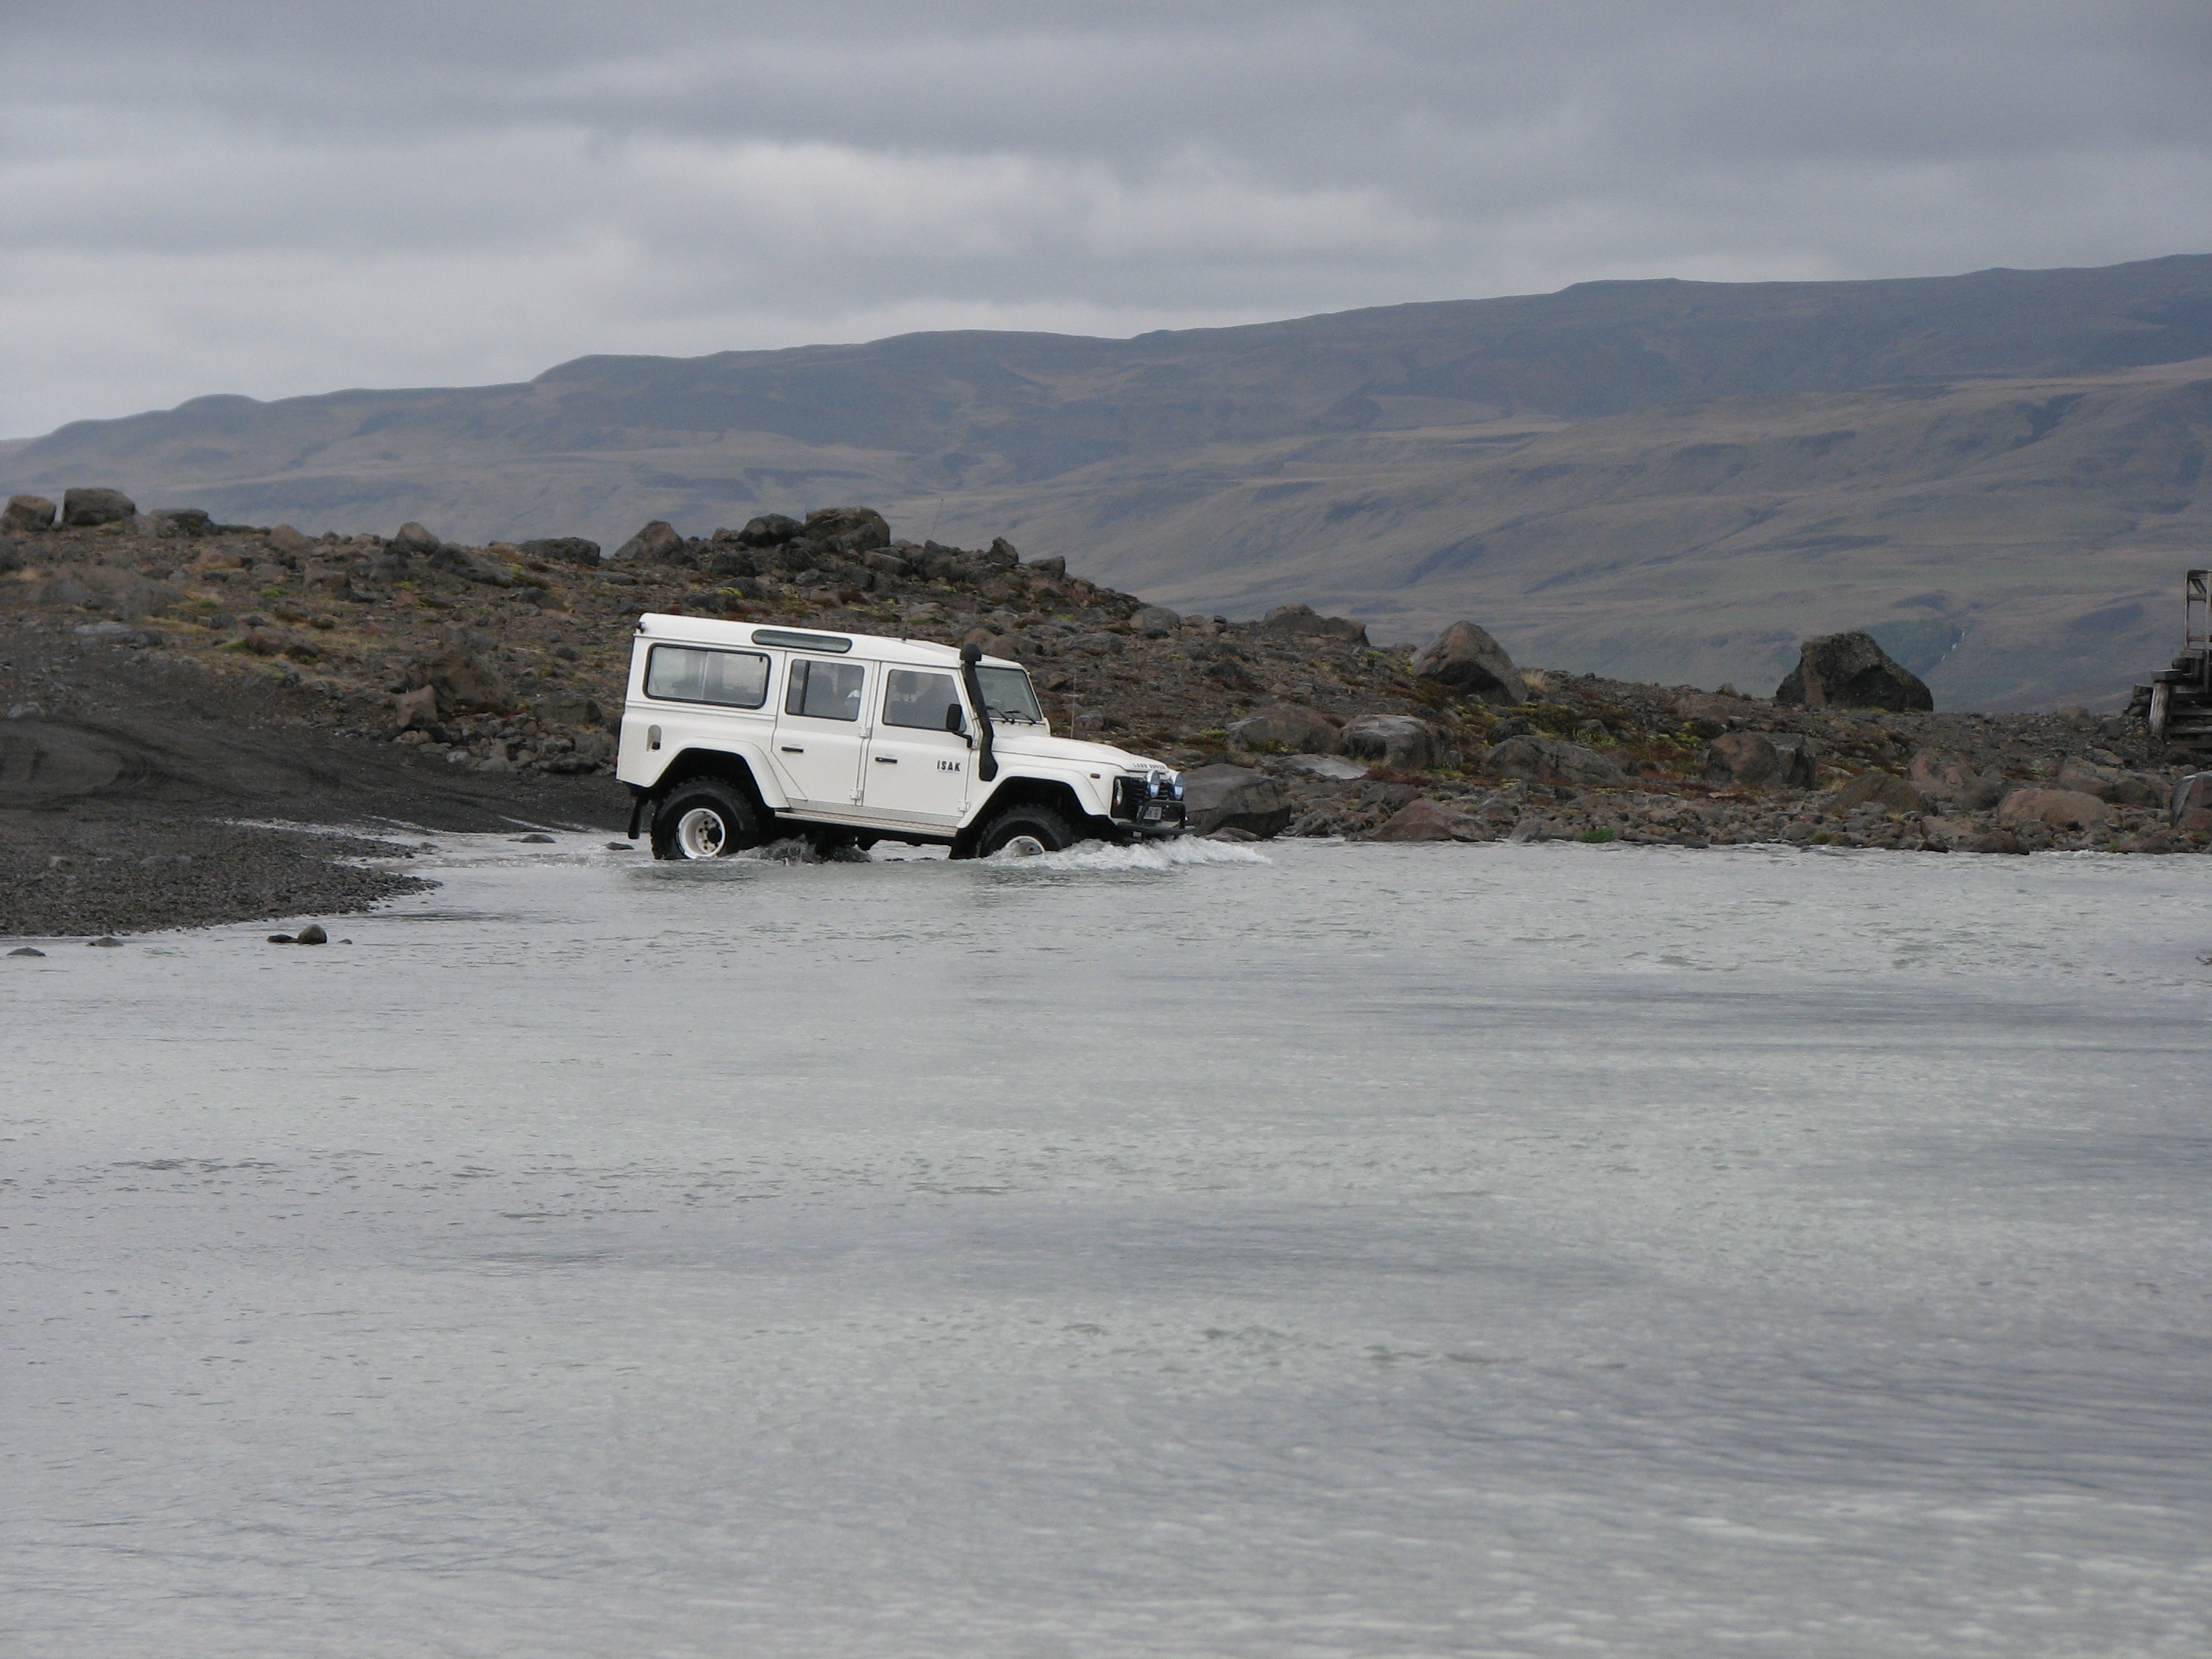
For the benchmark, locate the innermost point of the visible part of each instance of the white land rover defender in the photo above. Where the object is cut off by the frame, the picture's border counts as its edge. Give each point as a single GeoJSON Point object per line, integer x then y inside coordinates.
{"type": "Point", "coordinates": [734, 735]}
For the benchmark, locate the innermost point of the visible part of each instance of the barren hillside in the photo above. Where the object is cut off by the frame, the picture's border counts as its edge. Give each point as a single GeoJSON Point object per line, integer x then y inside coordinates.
{"type": "Point", "coordinates": [2001, 472]}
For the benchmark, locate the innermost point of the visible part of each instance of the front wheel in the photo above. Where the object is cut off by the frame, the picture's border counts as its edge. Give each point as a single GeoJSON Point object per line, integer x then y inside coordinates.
{"type": "Point", "coordinates": [1050, 831]}
{"type": "Point", "coordinates": [705, 819]}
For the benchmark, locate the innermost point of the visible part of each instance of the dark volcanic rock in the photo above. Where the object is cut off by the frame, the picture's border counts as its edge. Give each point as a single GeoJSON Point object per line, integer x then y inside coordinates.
{"type": "Point", "coordinates": [1303, 619]}
{"type": "Point", "coordinates": [1234, 798]}
{"type": "Point", "coordinates": [1155, 621]}
{"type": "Point", "coordinates": [563, 549]}
{"type": "Point", "coordinates": [1399, 741]}
{"type": "Point", "coordinates": [28, 512]}
{"type": "Point", "coordinates": [565, 709]}
{"type": "Point", "coordinates": [465, 682]}
{"type": "Point", "coordinates": [1466, 658]}
{"type": "Point", "coordinates": [2106, 783]}
{"type": "Point", "coordinates": [768, 530]}
{"type": "Point", "coordinates": [2192, 792]}
{"type": "Point", "coordinates": [195, 522]}
{"type": "Point", "coordinates": [1753, 760]}
{"type": "Point", "coordinates": [853, 530]}
{"type": "Point", "coordinates": [1428, 820]}
{"type": "Point", "coordinates": [82, 508]}
{"type": "Point", "coordinates": [657, 542]}
{"type": "Point", "coordinates": [413, 541]}
{"type": "Point", "coordinates": [1298, 730]}
{"type": "Point", "coordinates": [2060, 809]}
{"type": "Point", "coordinates": [470, 566]}
{"type": "Point", "coordinates": [1850, 671]}
{"type": "Point", "coordinates": [1882, 789]}
{"type": "Point", "coordinates": [1549, 759]}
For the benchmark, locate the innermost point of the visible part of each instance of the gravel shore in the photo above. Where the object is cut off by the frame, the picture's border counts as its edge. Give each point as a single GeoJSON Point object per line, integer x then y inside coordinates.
{"type": "Point", "coordinates": [140, 795]}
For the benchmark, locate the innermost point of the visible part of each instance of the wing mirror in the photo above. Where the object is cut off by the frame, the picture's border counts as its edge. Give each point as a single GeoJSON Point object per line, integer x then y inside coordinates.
{"type": "Point", "coordinates": [955, 721]}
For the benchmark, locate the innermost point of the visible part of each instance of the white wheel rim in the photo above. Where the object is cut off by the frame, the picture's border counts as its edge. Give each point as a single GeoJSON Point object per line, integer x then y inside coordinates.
{"type": "Point", "coordinates": [1023, 847]}
{"type": "Point", "coordinates": [701, 833]}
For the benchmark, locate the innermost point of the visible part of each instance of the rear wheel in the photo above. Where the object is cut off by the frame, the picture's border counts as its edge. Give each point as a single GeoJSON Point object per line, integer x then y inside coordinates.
{"type": "Point", "coordinates": [704, 819]}
{"type": "Point", "coordinates": [1050, 830]}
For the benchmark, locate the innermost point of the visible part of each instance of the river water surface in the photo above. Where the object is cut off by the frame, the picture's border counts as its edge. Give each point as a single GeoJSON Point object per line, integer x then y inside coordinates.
{"type": "Point", "coordinates": [1355, 1250]}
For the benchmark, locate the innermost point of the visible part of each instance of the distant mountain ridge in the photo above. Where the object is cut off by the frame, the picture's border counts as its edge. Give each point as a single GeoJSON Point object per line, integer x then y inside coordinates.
{"type": "Point", "coordinates": [1665, 478]}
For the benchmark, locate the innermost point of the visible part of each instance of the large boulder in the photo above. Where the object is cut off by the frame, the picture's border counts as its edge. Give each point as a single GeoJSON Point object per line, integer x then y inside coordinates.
{"type": "Point", "coordinates": [1883, 789]}
{"type": "Point", "coordinates": [2106, 783]}
{"type": "Point", "coordinates": [1234, 798]}
{"type": "Point", "coordinates": [565, 709]}
{"type": "Point", "coordinates": [1428, 820]}
{"type": "Point", "coordinates": [472, 566]}
{"type": "Point", "coordinates": [853, 529]}
{"type": "Point", "coordinates": [1300, 730]}
{"type": "Point", "coordinates": [1850, 671]}
{"type": "Point", "coordinates": [1399, 741]}
{"type": "Point", "coordinates": [658, 542]}
{"type": "Point", "coordinates": [413, 541]}
{"type": "Point", "coordinates": [1940, 774]}
{"type": "Point", "coordinates": [2192, 794]}
{"type": "Point", "coordinates": [466, 684]}
{"type": "Point", "coordinates": [1470, 662]}
{"type": "Point", "coordinates": [1553, 761]}
{"type": "Point", "coordinates": [1747, 760]}
{"type": "Point", "coordinates": [1155, 621]}
{"type": "Point", "coordinates": [83, 508]}
{"type": "Point", "coordinates": [1760, 760]}
{"type": "Point", "coordinates": [2060, 809]}
{"type": "Point", "coordinates": [1326, 766]}
{"type": "Point", "coordinates": [562, 550]}
{"type": "Point", "coordinates": [415, 710]}
{"type": "Point", "coordinates": [768, 530]}
{"type": "Point", "coordinates": [28, 512]}
{"type": "Point", "coordinates": [1303, 619]}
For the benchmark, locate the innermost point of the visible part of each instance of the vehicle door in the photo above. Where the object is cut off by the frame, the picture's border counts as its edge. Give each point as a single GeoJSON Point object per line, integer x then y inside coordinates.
{"type": "Point", "coordinates": [917, 769]}
{"type": "Point", "coordinates": [822, 733]}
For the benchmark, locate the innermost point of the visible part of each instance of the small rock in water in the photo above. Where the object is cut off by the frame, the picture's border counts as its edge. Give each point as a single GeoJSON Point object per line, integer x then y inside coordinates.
{"type": "Point", "coordinates": [620, 846]}
{"type": "Point", "coordinates": [111, 941]}
{"type": "Point", "coordinates": [536, 841]}
{"type": "Point", "coordinates": [282, 938]}
{"type": "Point", "coordinates": [25, 951]}
{"type": "Point", "coordinates": [313, 933]}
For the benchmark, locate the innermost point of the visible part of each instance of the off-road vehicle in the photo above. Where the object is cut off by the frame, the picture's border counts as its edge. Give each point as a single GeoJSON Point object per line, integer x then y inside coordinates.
{"type": "Point", "coordinates": [734, 735]}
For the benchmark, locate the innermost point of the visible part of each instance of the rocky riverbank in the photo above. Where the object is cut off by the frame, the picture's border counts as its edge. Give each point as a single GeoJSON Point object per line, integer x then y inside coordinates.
{"type": "Point", "coordinates": [408, 678]}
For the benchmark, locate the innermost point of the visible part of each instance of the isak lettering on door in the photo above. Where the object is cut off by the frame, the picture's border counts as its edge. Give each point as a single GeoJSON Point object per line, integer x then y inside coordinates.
{"type": "Point", "coordinates": [916, 768]}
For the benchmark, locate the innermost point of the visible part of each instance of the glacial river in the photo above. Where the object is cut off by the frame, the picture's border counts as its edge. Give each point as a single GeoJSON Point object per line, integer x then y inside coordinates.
{"type": "Point", "coordinates": [1309, 1250]}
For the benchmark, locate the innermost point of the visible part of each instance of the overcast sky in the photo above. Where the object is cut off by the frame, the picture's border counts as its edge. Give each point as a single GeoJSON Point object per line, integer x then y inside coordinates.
{"type": "Point", "coordinates": [276, 199]}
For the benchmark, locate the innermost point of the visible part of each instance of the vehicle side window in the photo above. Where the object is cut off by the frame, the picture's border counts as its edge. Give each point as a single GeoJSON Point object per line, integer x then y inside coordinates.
{"type": "Point", "coordinates": [825, 690]}
{"type": "Point", "coordinates": [919, 700]}
{"type": "Point", "coordinates": [736, 679]}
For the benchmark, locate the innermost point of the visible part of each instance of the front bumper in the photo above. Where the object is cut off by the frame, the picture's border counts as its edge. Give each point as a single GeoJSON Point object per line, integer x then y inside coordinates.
{"type": "Point", "coordinates": [1149, 806]}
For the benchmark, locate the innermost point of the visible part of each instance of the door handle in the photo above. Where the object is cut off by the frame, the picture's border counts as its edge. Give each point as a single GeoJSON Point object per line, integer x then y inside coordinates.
{"type": "Point", "coordinates": [887, 760]}
{"type": "Point", "coordinates": [789, 750]}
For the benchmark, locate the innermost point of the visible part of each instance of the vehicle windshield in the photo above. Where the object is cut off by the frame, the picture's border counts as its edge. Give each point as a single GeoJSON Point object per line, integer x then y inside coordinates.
{"type": "Point", "coordinates": [1009, 695]}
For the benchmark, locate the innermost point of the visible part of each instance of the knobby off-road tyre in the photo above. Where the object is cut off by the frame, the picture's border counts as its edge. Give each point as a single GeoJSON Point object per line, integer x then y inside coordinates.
{"type": "Point", "coordinates": [1049, 828]}
{"type": "Point", "coordinates": [704, 819]}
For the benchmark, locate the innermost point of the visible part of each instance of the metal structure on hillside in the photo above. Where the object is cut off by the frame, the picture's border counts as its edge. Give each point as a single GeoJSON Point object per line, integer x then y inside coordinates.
{"type": "Point", "coordinates": [2176, 705]}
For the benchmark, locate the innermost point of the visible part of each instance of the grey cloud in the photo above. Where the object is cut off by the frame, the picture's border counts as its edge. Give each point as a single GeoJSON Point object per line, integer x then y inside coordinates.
{"type": "Point", "coordinates": [281, 198]}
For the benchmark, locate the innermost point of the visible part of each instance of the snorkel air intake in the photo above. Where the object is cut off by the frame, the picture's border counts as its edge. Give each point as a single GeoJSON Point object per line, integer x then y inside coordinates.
{"type": "Point", "coordinates": [987, 766]}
